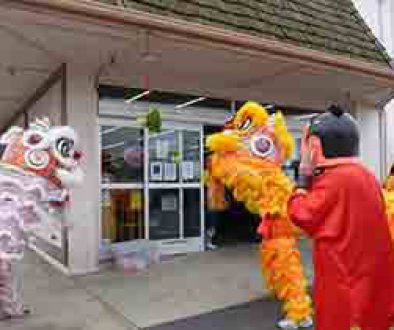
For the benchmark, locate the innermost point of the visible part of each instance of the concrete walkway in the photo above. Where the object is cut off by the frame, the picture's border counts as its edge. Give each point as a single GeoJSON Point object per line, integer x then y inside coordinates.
{"type": "Point", "coordinates": [59, 303]}
{"type": "Point", "coordinates": [188, 286]}
{"type": "Point", "coordinates": [115, 300]}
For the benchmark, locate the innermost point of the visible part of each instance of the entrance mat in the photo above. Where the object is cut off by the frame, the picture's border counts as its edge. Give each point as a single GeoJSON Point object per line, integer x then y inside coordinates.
{"type": "Point", "coordinates": [256, 315]}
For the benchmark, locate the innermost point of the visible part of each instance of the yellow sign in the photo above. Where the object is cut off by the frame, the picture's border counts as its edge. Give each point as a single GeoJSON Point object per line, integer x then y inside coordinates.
{"type": "Point", "coordinates": [136, 202]}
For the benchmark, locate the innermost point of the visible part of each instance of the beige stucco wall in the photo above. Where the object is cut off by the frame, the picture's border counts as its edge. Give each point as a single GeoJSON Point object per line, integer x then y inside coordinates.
{"type": "Point", "coordinates": [48, 106]}
{"type": "Point", "coordinates": [370, 145]}
{"type": "Point", "coordinates": [379, 15]}
{"type": "Point", "coordinates": [84, 212]}
{"type": "Point", "coordinates": [390, 133]}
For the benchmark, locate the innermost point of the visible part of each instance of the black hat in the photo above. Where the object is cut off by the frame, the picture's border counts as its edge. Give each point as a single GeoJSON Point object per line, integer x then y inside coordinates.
{"type": "Point", "coordinates": [392, 170]}
{"type": "Point", "coordinates": [338, 133]}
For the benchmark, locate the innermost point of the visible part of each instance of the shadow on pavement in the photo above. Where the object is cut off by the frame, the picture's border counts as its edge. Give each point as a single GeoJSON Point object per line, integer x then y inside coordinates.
{"type": "Point", "coordinates": [256, 315]}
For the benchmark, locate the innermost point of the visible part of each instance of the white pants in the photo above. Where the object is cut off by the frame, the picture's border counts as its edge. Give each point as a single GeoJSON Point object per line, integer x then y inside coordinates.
{"type": "Point", "coordinates": [10, 286]}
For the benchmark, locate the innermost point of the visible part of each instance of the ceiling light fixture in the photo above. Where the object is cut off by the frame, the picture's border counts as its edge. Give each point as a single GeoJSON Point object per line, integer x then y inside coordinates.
{"type": "Point", "coordinates": [306, 117]}
{"type": "Point", "coordinates": [113, 146]}
{"type": "Point", "coordinates": [110, 130]}
{"type": "Point", "coordinates": [137, 97]}
{"type": "Point", "coordinates": [186, 104]}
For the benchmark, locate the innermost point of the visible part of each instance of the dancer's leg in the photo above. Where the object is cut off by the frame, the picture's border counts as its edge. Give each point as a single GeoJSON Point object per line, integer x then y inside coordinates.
{"type": "Point", "coordinates": [10, 304]}
{"type": "Point", "coordinates": [284, 274]}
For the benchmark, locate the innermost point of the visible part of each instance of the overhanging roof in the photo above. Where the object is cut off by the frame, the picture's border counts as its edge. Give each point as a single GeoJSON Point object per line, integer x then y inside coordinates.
{"type": "Point", "coordinates": [104, 13]}
{"type": "Point", "coordinates": [333, 26]}
{"type": "Point", "coordinates": [191, 59]}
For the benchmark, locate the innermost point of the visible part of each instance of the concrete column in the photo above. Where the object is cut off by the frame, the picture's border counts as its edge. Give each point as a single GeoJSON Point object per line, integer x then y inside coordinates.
{"type": "Point", "coordinates": [389, 109]}
{"type": "Point", "coordinates": [370, 147]}
{"type": "Point", "coordinates": [388, 26]}
{"type": "Point", "coordinates": [83, 214]}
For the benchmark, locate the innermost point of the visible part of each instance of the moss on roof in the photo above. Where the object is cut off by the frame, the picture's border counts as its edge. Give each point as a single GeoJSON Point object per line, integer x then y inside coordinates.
{"type": "Point", "coordinates": [332, 26]}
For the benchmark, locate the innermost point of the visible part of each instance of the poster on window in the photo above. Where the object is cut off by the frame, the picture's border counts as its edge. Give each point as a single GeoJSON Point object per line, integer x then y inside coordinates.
{"type": "Point", "coordinates": [170, 172]}
{"type": "Point", "coordinates": [162, 148]}
{"type": "Point", "coordinates": [188, 170]}
{"type": "Point", "coordinates": [169, 203]}
{"type": "Point", "coordinates": [156, 171]}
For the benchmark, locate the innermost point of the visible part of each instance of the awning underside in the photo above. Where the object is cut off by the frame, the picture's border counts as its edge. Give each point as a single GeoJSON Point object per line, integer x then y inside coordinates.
{"type": "Point", "coordinates": [33, 45]}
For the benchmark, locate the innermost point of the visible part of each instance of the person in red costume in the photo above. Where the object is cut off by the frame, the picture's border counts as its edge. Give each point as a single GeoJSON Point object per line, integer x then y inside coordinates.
{"type": "Point", "coordinates": [339, 203]}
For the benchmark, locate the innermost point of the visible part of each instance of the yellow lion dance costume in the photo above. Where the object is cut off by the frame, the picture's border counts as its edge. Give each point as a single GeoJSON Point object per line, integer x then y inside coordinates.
{"type": "Point", "coordinates": [246, 158]}
{"type": "Point", "coordinates": [388, 193]}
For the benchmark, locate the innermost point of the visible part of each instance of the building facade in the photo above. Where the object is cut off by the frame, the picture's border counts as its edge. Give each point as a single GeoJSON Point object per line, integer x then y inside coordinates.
{"type": "Point", "coordinates": [379, 15]}
{"type": "Point", "coordinates": [101, 66]}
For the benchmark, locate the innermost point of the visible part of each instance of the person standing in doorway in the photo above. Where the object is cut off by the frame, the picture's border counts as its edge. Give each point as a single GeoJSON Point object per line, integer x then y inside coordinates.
{"type": "Point", "coordinates": [216, 205]}
{"type": "Point", "coordinates": [212, 220]}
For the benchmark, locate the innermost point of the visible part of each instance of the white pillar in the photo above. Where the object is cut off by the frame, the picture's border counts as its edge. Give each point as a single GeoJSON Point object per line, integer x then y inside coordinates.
{"type": "Point", "coordinates": [390, 133]}
{"type": "Point", "coordinates": [83, 213]}
{"type": "Point", "coordinates": [370, 147]}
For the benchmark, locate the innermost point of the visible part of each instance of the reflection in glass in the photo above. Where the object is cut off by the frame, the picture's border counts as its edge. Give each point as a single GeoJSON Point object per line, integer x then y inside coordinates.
{"type": "Point", "coordinates": [192, 212]}
{"type": "Point", "coordinates": [122, 153]}
{"type": "Point", "coordinates": [164, 156]}
{"type": "Point", "coordinates": [163, 213]}
{"type": "Point", "coordinates": [191, 166]}
{"type": "Point", "coordinates": [122, 214]}
{"type": "Point", "coordinates": [174, 157]}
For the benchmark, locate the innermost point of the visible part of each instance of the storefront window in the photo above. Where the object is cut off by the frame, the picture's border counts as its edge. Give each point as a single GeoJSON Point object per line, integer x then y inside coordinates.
{"type": "Point", "coordinates": [122, 215]}
{"type": "Point", "coordinates": [151, 184]}
{"type": "Point", "coordinates": [192, 212]}
{"type": "Point", "coordinates": [122, 154]}
{"type": "Point", "coordinates": [191, 165]}
{"type": "Point", "coordinates": [122, 162]}
{"type": "Point", "coordinates": [164, 156]}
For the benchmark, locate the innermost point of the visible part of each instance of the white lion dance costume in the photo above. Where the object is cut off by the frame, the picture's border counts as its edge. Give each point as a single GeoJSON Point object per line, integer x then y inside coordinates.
{"type": "Point", "coordinates": [37, 167]}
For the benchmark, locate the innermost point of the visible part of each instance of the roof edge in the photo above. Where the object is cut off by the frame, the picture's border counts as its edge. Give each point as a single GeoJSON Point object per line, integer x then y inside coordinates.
{"type": "Point", "coordinates": [120, 15]}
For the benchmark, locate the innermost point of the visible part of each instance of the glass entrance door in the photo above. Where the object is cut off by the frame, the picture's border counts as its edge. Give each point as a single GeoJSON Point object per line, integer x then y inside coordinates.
{"type": "Point", "coordinates": [174, 188]}
{"type": "Point", "coordinates": [151, 186]}
{"type": "Point", "coordinates": [122, 177]}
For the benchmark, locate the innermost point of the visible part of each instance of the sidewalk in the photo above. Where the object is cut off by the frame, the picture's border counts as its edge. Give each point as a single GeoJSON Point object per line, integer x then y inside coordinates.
{"type": "Point", "coordinates": [187, 286]}
{"type": "Point", "coordinates": [114, 300]}
{"type": "Point", "coordinates": [59, 303]}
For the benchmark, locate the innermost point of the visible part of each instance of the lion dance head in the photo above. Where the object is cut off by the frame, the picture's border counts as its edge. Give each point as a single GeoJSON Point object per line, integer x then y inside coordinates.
{"type": "Point", "coordinates": [44, 150]}
{"type": "Point", "coordinates": [253, 133]}
{"type": "Point", "coordinates": [247, 157]}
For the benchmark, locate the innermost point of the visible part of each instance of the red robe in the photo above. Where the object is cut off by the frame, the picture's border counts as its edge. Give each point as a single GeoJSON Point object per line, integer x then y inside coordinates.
{"type": "Point", "coordinates": [344, 214]}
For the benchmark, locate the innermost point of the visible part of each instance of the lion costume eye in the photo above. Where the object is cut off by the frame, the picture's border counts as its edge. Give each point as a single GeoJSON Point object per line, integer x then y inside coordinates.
{"type": "Point", "coordinates": [64, 146]}
{"type": "Point", "coordinates": [262, 146]}
{"type": "Point", "coordinates": [245, 125]}
{"type": "Point", "coordinates": [35, 140]}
